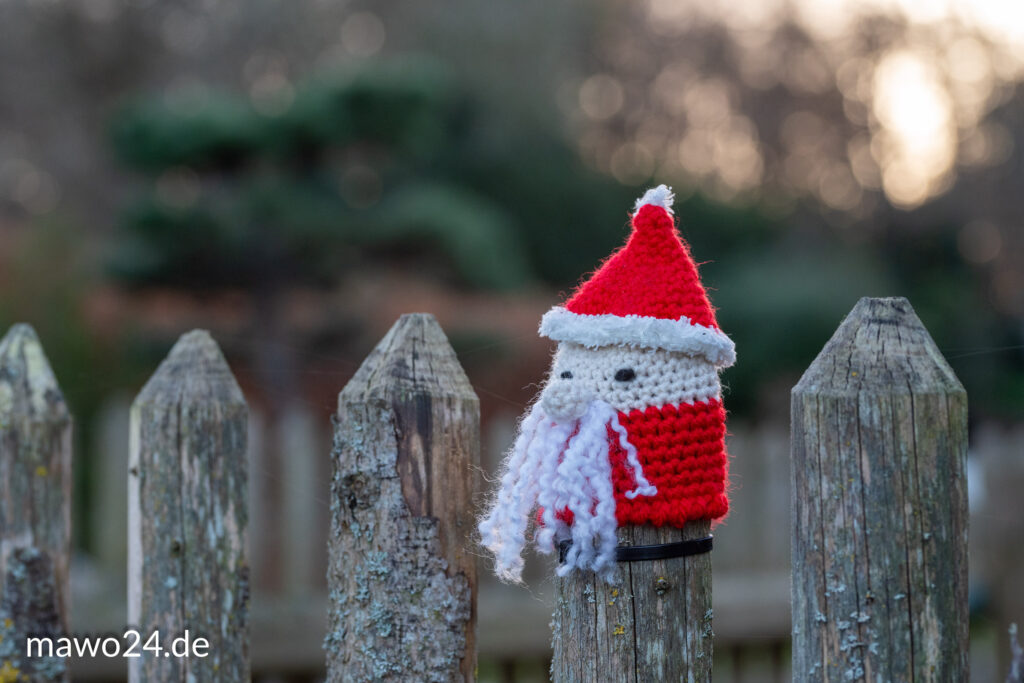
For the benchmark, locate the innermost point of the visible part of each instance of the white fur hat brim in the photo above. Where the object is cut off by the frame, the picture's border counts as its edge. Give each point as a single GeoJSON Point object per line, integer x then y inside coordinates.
{"type": "Point", "coordinates": [560, 324]}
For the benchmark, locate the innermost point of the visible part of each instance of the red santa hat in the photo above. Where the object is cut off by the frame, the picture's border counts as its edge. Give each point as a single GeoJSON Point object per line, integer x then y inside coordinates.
{"type": "Point", "coordinates": [647, 294]}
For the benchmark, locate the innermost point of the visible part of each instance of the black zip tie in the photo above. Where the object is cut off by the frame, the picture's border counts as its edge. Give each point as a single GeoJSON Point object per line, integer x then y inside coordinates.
{"type": "Point", "coordinates": [640, 553]}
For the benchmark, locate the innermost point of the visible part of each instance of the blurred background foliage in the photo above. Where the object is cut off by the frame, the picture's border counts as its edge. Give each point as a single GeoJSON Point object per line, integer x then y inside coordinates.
{"type": "Point", "coordinates": [359, 160]}
{"type": "Point", "coordinates": [384, 159]}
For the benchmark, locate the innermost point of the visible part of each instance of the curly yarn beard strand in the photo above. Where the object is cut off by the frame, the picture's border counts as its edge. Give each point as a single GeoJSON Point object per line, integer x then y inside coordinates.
{"type": "Point", "coordinates": [560, 466]}
{"type": "Point", "coordinates": [503, 530]}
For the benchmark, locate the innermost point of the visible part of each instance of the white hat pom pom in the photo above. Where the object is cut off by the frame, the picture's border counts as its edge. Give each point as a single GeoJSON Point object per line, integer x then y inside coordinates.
{"type": "Point", "coordinates": [661, 195]}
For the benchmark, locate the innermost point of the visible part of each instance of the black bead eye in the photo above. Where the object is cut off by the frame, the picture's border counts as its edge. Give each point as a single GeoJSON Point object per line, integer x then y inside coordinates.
{"type": "Point", "coordinates": [625, 375]}
{"type": "Point", "coordinates": [566, 375]}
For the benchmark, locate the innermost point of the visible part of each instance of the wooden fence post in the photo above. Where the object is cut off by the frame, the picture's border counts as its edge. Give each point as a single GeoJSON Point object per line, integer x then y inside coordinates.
{"type": "Point", "coordinates": [187, 515]}
{"type": "Point", "coordinates": [879, 523]}
{"type": "Point", "coordinates": [652, 624]}
{"type": "Point", "coordinates": [401, 574]}
{"type": "Point", "coordinates": [35, 506]}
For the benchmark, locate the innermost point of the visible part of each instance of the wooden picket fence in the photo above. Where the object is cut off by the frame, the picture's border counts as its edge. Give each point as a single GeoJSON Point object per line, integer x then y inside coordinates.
{"type": "Point", "coordinates": [879, 510]}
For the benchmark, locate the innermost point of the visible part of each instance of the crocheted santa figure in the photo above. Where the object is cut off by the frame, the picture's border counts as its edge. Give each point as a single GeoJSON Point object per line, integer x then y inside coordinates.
{"type": "Point", "coordinates": [629, 428]}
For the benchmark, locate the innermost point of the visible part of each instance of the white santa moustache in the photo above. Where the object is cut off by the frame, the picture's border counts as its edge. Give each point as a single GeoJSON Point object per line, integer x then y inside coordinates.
{"type": "Point", "coordinates": [560, 465]}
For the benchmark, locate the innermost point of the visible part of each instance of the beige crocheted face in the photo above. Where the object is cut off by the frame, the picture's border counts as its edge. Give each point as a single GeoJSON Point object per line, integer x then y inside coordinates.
{"type": "Point", "coordinates": [627, 378]}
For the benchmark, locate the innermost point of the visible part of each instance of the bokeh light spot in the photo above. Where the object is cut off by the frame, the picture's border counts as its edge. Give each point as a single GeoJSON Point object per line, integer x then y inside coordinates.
{"type": "Point", "coordinates": [272, 93]}
{"type": "Point", "coordinates": [916, 113]}
{"type": "Point", "coordinates": [363, 34]}
{"type": "Point", "coordinates": [601, 97]}
{"type": "Point", "coordinates": [979, 242]}
{"type": "Point", "coordinates": [632, 163]}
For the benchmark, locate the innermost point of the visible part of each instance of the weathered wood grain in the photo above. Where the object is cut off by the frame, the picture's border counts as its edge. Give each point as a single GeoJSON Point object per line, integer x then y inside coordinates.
{"type": "Point", "coordinates": [652, 624]}
{"type": "Point", "coordinates": [187, 507]}
{"type": "Point", "coordinates": [35, 503]}
{"type": "Point", "coordinates": [879, 523]}
{"type": "Point", "coordinates": [401, 575]}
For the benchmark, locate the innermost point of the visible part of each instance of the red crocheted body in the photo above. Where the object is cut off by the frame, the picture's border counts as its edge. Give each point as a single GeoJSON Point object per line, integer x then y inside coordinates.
{"type": "Point", "coordinates": [682, 452]}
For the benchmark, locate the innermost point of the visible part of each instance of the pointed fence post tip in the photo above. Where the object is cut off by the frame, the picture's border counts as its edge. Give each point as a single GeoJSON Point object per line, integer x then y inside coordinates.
{"type": "Point", "coordinates": [401, 571]}
{"type": "Point", "coordinates": [35, 522]}
{"type": "Point", "coordinates": [27, 382]}
{"type": "Point", "coordinates": [187, 513]}
{"type": "Point", "coordinates": [879, 516]}
{"type": "Point", "coordinates": [195, 367]}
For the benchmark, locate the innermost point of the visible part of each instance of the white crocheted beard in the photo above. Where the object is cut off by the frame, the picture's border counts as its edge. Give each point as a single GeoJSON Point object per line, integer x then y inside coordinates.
{"type": "Point", "coordinates": [560, 457]}
{"type": "Point", "coordinates": [557, 466]}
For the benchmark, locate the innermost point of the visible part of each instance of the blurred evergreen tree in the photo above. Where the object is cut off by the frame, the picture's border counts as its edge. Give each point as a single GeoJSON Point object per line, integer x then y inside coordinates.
{"type": "Point", "coordinates": [243, 198]}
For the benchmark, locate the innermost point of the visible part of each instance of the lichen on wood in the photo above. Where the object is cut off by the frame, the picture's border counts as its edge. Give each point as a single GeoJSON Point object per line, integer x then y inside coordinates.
{"type": "Point", "coordinates": [187, 506]}
{"type": "Point", "coordinates": [879, 522]}
{"type": "Point", "coordinates": [652, 623]}
{"type": "Point", "coordinates": [401, 576]}
{"type": "Point", "coordinates": [35, 503]}
{"type": "Point", "coordinates": [29, 609]}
